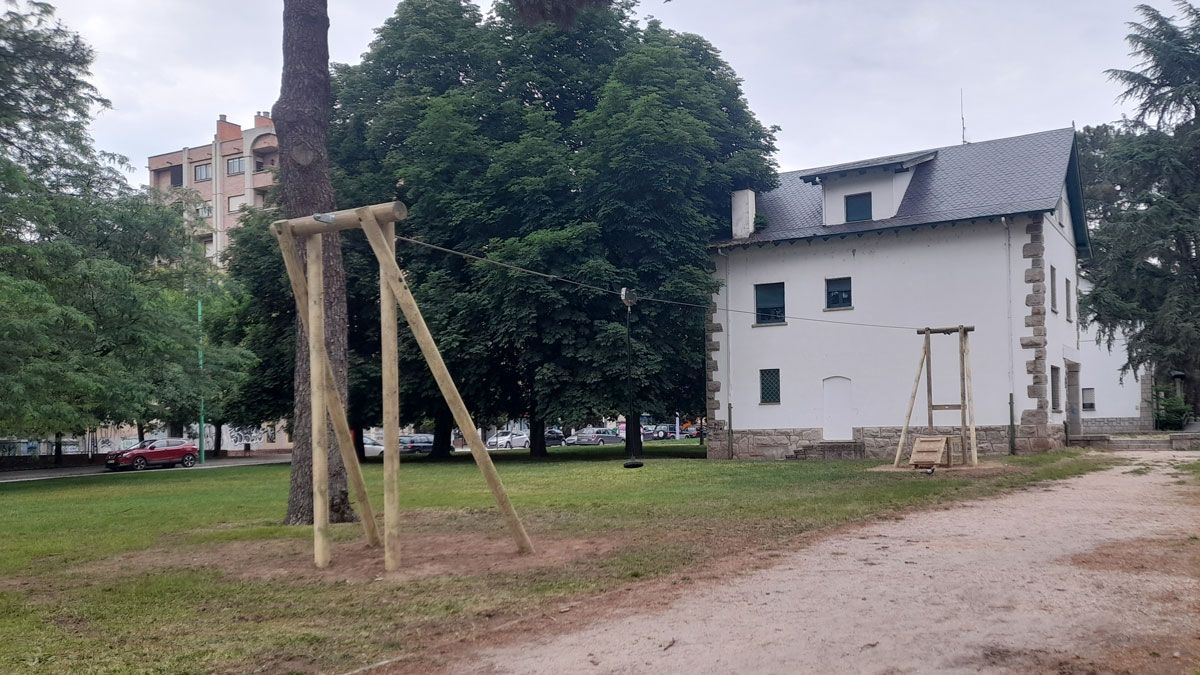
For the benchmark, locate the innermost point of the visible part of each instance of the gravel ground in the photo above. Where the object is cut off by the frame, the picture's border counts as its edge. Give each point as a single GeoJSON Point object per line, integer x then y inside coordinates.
{"type": "Point", "coordinates": [1053, 578]}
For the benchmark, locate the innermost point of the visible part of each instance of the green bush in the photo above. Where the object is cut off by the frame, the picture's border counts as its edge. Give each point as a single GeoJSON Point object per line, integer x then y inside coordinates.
{"type": "Point", "coordinates": [1172, 412]}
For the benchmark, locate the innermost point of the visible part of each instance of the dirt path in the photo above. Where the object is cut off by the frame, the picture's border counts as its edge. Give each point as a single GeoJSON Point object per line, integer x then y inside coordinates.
{"type": "Point", "coordinates": [1096, 574]}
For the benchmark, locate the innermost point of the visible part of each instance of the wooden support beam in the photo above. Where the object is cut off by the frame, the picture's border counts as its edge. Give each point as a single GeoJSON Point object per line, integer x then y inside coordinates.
{"type": "Point", "coordinates": [947, 406]}
{"type": "Point", "coordinates": [912, 400]}
{"type": "Point", "coordinates": [389, 347]}
{"type": "Point", "coordinates": [346, 219]}
{"type": "Point", "coordinates": [333, 397]}
{"type": "Point", "coordinates": [316, 365]}
{"type": "Point", "coordinates": [390, 271]}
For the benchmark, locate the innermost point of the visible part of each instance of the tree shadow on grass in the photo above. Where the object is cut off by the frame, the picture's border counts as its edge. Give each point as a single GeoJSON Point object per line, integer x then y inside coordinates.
{"type": "Point", "coordinates": [651, 450]}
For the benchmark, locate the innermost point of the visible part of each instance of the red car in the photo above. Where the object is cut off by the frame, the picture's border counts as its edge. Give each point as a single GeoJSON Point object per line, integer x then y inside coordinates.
{"type": "Point", "coordinates": [161, 452]}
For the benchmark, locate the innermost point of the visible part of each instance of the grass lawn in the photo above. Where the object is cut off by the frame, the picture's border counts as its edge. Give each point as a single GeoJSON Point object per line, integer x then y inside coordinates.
{"type": "Point", "coordinates": [187, 571]}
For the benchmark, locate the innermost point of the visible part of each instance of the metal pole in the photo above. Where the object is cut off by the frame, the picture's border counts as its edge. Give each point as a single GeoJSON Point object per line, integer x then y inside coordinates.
{"type": "Point", "coordinates": [200, 348]}
{"type": "Point", "coordinates": [1012, 425]}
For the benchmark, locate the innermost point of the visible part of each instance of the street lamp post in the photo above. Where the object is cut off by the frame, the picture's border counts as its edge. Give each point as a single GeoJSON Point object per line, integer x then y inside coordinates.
{"type": "Point", "coordinates": [200, 350]}
{"type": "Point", "coordinates": [629, 298]}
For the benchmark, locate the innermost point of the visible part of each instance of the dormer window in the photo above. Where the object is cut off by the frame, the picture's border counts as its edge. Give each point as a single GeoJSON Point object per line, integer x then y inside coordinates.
{"type": "Point", "coordinates": [858, 207]}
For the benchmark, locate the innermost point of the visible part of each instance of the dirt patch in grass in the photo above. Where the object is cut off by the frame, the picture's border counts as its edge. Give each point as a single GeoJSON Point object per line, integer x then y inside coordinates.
{"type": "Point", "coordinates": [1154, 655]}
{"type": "Point", "coordinates": [423, 555]}
{"type": "Point", "coordinates": [984, 469]}
{"type": "Point", "coordinates": [1175, 556]}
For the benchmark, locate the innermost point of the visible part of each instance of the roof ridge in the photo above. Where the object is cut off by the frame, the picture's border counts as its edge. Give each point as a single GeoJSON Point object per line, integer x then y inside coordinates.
{"type": "Point", "coordinates": [810, 170]}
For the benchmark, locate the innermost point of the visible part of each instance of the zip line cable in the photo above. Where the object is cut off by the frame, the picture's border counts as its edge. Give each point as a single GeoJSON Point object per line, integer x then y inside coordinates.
{"type": "Point", "coordinates": [555, 277]}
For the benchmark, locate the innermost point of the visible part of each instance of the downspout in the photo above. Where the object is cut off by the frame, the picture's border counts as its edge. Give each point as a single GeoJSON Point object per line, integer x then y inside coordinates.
{"type": "Point", "coordinates": [728, 359]}
{"type": "Point", "coordinates": [1012, 378]}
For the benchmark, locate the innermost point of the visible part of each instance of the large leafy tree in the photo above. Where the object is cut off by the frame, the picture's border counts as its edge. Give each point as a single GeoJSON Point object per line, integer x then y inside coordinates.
{"type": "Point", "coordinates": [1143, 177]}
{"type": "Point", "coordinates": [98, 281]}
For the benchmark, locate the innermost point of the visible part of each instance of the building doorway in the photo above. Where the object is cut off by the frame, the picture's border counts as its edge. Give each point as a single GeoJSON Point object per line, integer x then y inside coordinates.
{"type": "Point", "coordinates": [838, 407]}
{"type": "Point", "coordinates": [1074, 407]}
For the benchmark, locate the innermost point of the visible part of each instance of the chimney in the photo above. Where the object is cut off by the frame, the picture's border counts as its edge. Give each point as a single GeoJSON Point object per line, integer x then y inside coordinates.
{"type": "Point", "coordinates": [263, 119]}
{"type": "Point", "coordinates": [227, 131]}
{"type": "Point", "coordinates": [742, 203]}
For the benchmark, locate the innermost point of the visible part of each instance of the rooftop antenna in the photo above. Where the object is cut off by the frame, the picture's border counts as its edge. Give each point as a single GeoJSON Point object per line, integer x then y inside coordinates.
{"type": "Point", "coordinates": [962, 115]}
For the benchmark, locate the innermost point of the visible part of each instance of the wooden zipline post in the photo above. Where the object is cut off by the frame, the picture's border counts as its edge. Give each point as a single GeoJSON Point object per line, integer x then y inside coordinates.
{"type": "Point", "coordinates": [962, 393]}
{"type": "Point", "coordinates": [333, 395]}
{"type": "Point", "coordinates": [929, 379]}
{"type": "Point", "coordinates": [970, 399]}
{"type": "Point", "coordinates": [390, 271]}
{"type": "Point", "coordinates": [389, 347]}
{"type": "Point", "coordinates": [316, 365]}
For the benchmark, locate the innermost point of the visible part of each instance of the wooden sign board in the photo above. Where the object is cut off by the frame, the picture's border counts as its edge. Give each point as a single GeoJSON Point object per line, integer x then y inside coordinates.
{"type": "Point", "coordinates": [929, 451]}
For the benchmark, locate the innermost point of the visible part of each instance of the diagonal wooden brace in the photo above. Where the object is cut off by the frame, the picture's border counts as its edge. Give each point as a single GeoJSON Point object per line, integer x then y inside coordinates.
{"type": "Point", "coordinates": [389, 270]}
{"type": "Point", "coordinates": [334, 402]}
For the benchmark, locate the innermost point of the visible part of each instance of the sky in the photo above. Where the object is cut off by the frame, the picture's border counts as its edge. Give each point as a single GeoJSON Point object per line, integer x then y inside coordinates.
{"type": "Point", "coordinates": [843, 80]}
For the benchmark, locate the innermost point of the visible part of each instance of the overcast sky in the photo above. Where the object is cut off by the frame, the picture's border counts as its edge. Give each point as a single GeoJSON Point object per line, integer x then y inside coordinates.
{"type": "Point", "coordinates": [843, 80]}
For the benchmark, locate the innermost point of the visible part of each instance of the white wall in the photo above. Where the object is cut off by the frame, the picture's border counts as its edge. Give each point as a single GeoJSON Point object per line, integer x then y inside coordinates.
{"type": "Point", "coordinates": [886, 188]}
{"type": "Point", "coordinates": [929, 277]}
{"type": "Point", "coordinates": [1115, 396]}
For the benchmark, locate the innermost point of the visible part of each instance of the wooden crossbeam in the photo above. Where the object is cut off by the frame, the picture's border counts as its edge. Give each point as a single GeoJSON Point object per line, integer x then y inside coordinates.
{"type": "Point", "coordinates": [947, 406]}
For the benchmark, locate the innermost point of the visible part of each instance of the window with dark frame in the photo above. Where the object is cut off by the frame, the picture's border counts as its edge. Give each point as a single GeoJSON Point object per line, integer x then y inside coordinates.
{"type": "Point", "coordinates": [235, 166]}
{"type": "Point", "coordinates": [768, 385]}
{"type": "Point", "coordinates": [837, 293]}
{"type": "Point", "coordinates": [1088, 398]}
{"type": "Point", "coordinates": [1053, 289]}
{"type": "Point", "coordinates": [176, 175]}
{"type": "Point", "coordinates": [202, 172]}
{"type": "Point", "coordinates": [1055, 396]}
{"type": "Point", "coordinates": [768, 303]}
{"type": "Point", "coordinates": [858, 207]}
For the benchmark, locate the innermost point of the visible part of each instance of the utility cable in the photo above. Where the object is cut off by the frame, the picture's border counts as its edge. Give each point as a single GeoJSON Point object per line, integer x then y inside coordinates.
{"type": "Point", "coordinates": [555, 277]}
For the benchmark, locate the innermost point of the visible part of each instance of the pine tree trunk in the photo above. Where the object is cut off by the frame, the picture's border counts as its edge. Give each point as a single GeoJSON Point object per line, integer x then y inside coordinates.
{"type": "Point", "coordinates": [58, 456]}
{"type": "Point", "coordinates": [216, 448]}
{"type": "Point", "coordinates": [443, 424]}
{"type": "Point", "coordinates": [302, 125]}
{"type": "Point", "coordinates": [141, 429]}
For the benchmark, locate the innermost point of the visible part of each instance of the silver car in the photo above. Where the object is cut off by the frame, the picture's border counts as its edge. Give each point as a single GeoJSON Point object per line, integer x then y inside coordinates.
{"type": "Point", "coordinates": [596, 436]}
{"type": "Point", "coordinates": [508, 439]}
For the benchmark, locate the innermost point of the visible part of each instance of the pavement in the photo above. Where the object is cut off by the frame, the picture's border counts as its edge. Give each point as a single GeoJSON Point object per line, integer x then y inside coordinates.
{"type": "Point", "coordinates": [1067, 577]}
{"type": "Point", "coordinates": [24, 476]}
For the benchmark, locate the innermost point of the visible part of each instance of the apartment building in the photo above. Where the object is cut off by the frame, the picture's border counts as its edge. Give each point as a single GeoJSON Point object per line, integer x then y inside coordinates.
{"type": "Point", "coordinates": [236, 168]}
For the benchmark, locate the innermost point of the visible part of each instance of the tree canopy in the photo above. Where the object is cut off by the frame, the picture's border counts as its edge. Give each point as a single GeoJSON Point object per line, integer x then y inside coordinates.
{"type": "Point", "coordinates": [1144, 192]}
{"type": "Point", "coordinates": [98, 281]}
{"type": "Point", "coordinates": [602, 153]}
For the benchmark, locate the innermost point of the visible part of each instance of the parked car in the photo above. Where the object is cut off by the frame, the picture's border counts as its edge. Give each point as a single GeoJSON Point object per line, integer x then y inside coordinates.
{"type": "Point", "coordinates": [372, 447]}
{"type": "Point", "coordinates": [596, 436]}
{"type": "Point", "coordinates": [160, 452]}
{"type": "Point", "coordinates": [508, 439]}
{"type": "Point", "coordinates": [662, 431]}
{"type": "Point", "coordinates": [695, 432]}
{"type": "Point", "coordinates": [555, 437]}
{"type": "Point", "coordinates": [416, 443]}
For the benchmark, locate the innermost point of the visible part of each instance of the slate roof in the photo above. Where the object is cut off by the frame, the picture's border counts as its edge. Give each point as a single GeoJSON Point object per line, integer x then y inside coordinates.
{"type": "Point", "coordinates": [1003, 177]}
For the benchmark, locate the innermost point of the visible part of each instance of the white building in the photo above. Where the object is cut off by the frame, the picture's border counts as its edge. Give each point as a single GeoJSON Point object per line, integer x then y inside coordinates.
{"type": "Point", "coordinates": [813, 343]}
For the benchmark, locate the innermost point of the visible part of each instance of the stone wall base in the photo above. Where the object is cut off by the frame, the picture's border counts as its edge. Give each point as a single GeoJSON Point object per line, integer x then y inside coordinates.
{"type": "Point", "coordinates": [1115, 425]}
{"type": "Point", "coordinates": [873, 442]}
